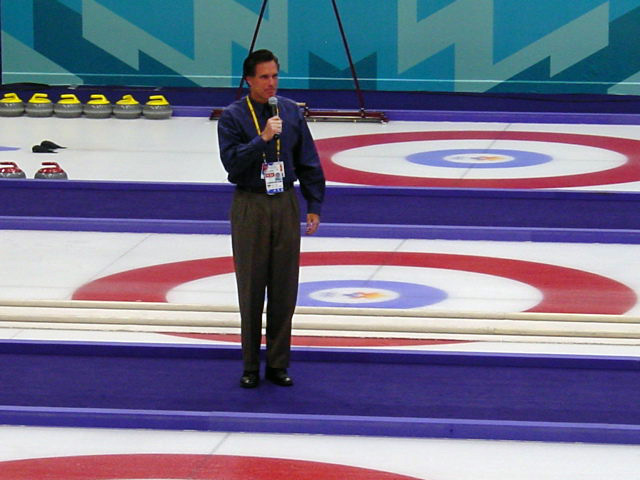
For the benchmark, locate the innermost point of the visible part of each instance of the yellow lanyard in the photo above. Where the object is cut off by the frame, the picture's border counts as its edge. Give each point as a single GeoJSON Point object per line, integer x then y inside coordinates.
{"type": "Point", "coordinates": [255, 122]}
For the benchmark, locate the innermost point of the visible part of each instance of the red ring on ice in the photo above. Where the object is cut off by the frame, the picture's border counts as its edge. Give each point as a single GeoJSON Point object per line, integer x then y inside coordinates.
{"type": "Point", "coordinates": [172, 466]}
{"type": "Point", "coordinates": [628, 172]}
{"type": "Point", "coordinates": [564, 290]}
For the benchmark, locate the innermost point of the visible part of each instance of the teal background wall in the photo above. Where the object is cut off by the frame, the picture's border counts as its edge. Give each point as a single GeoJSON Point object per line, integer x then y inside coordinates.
{"type": "Point", "coordinates": [548, 46]}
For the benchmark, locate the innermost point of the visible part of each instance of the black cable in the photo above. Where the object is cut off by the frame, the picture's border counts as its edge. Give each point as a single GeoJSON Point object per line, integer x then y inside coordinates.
{"type": "Point", "coordinates": [348, 52]}
{"type": "Point", "coordinates": [253, 44]}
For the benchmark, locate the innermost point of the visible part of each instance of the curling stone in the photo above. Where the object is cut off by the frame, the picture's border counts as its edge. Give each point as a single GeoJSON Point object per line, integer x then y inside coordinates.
{"type": "Point", "coordinates": [11, 105]}
{"type": "Point", "coordinates": [98, 107]}
{"type": "Point", "coordinates": [157, 108]}
{"type": "Point", "coordinates": [68, 106]}
{"type": "Point", "coordinates": [127, 107]}
{"type": "Point", "coordinates": [51, 171]}
{"type": "Point", "coordinates": [39, 105]}
{"type": "Point", "coordinates": [11, 170]}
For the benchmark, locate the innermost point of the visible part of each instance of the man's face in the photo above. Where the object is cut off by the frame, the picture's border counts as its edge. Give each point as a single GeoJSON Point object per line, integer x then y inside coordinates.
{"type": "Point", "coordinates": [264, 83]}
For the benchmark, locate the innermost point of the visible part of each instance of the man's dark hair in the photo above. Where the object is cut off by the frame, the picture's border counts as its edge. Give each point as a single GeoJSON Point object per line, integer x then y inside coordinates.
{"type": "Point", "coordinates": [254, 58]}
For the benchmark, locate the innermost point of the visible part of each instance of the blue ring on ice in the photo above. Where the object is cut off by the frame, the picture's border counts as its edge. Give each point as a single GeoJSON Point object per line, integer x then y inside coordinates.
{"type": "Point", "coordinates": [479, 158]}
{"type": "Point", "coordinates": [368, 294]}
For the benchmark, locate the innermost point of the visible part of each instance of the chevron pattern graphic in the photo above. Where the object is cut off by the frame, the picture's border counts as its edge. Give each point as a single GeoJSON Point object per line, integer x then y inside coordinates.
{"type": "Point", "coordinates": [399, 45]}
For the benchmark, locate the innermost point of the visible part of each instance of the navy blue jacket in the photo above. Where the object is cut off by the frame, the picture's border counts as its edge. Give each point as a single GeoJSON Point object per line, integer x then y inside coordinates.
{"type": "Point", "coordinates": [241, 148]}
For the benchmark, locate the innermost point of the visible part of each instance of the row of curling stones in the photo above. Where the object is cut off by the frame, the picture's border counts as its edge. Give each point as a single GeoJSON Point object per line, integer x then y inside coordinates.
{"type": "Point", "coordinates": [49, 171]}
{"type": "Point", "coordinates": [39, 105]}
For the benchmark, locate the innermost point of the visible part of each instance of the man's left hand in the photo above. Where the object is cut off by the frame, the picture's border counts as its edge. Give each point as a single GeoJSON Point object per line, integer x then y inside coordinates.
{"type": "Point", "coordinates": [313, 222]}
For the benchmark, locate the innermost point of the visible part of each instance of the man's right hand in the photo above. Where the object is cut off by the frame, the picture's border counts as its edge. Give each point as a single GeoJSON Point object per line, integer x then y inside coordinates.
{"type": "Point", "coordinates": [272, 128]}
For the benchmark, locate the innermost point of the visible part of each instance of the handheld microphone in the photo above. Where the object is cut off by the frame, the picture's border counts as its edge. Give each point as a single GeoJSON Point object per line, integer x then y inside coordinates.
{"type": "Point", "coordinates": [273, 103]}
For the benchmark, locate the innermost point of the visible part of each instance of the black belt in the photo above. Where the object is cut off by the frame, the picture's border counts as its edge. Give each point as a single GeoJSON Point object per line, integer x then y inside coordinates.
{"type": "Point", "coordinates": [261, 189]}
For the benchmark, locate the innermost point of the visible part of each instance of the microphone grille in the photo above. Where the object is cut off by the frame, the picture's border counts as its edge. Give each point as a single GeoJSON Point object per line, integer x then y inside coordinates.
{"type": "Point", "coordinates": [273, 101]}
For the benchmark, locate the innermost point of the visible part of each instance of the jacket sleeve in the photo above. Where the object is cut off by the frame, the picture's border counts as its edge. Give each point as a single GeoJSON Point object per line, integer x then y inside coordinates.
{"type": "Point", "coordinates": [239, 151]}
{"type": "Point", "coordinates": [308, 169]}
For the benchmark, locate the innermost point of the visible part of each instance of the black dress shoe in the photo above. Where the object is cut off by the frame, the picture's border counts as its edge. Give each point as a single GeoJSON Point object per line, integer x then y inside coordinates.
{"type": "Point", "coordinates": [249, 380]}
{"type": "Point", "coordinates": [279, 376]}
